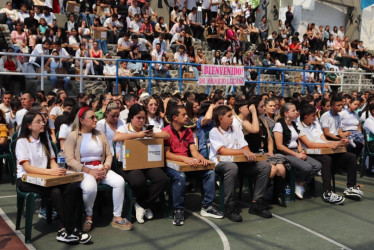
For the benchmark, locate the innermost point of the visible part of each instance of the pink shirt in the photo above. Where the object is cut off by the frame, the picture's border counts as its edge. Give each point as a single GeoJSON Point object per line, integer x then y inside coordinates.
{"type": "Point", "coordinates": [19, 38]}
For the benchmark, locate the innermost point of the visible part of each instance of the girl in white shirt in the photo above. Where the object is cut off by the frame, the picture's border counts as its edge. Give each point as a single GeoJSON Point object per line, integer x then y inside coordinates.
{"type": "Point", "coordinates": [135, 129]}
{"type": "Point", "coordinates": [153, 112]}
{"type": "Point", "coordinates": [34, 155]}
{"type": "Point", "coordinates": [351, 126]}
{"type": "Point", "coordinates": [286, 137]}
{"type": "Point", "coordinates": [110, 124]}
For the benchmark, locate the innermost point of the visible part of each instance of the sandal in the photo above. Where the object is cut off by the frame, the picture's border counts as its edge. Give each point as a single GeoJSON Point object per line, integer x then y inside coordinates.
{"type": "Point", "coordinates": [86, 227]}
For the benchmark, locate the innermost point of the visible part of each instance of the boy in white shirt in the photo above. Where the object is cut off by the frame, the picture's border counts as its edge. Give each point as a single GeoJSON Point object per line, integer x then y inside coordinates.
{"type": "Point", "coordinates": [226, 139]}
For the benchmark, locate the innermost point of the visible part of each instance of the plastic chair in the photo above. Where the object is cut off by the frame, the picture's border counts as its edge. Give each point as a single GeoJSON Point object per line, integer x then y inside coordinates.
{"type": "Point", "coordinates": [366, 153]}
{"type": "Point", "coordinates": [29, 197]}
{"type": "Point", "coordinates": [14, 136]}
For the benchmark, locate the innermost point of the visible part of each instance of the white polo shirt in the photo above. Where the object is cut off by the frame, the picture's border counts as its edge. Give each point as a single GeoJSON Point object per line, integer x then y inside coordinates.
{"type": "Point", "coordinates": [233, 138]}
{"type": "Point", "coordinates": [29, 149]}
{"type": "Point", "coordinates": [350, 121]}
{"type": "Point", "coordinates": [312, 132]}
{"type": "Point", "coordinates": [330, 121]}
{"type": "Point", "coordinates": [103, 126]}
{"type": "Point", "coordinates": [64, 131]}
{"type": "Point", "coordinates": [56, 111]}
{"type": "Point", "coordinates": [19, 116]}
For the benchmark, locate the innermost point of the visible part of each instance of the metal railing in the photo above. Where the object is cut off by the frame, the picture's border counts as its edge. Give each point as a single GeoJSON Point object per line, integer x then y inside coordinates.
{"type": "Point", "coordinates": [260, 71]}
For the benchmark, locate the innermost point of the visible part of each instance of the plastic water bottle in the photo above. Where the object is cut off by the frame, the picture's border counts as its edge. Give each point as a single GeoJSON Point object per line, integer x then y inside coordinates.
{"type": "Point", "coordinates": [287, 194]}
{"type": "Point", "coordinates": [60, 160]}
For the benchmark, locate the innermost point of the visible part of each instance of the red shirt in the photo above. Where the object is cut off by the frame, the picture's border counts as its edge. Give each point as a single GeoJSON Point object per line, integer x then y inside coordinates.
{"type": "Point", "coordinates": [295, 48]}
{"type": "Point", "coordinates": [179, 145]}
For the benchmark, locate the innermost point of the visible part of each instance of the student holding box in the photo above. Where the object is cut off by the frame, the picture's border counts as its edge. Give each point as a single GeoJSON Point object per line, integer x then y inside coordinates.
{"type": "Point", "coordinates": [135, 129]}
{"type": "Point", "coordinates": [181, 147]}
{"type": "Point", "coordinates": [226, 139]}
{"type": "Point", "coordinates": [311, 135]}
{"type": "Point", "coordinates": [35, 155]}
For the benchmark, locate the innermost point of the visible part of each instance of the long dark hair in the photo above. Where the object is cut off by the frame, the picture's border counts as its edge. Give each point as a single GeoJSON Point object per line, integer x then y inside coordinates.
{"type": "Point", "coordinates": [367, 107]}
{"type": "Point", "coordinates": [26, 132]}
{"type": "Point", "coordinates": [146, 102]}
{"type": "Point", "coordinates": [134, 110]}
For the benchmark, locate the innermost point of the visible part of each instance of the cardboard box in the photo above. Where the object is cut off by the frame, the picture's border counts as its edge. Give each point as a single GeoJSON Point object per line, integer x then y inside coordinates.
{"type": "Point", "coordinates": [50, 180]}
{"type": "Point", "coordinates": [183, 167]}
{"type": "Point", "coordinates": [325, 151]}
{"type": "Point", "coordinates": [100, 34]}
{"type": "Point", "coordinates": [142, 154]}
{"type": "Point", "coordinates": [102, 10]}
{"type": "Point", "coordinates": [73, 7]}
{"type": "Point", "coordinates": [240, 158]}
{"type": "Point", "coordinates": [189, 75]}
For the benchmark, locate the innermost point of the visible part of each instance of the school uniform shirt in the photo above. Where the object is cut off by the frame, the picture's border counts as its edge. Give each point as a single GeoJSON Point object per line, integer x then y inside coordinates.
{"type": "Point", "coordinates": [10, 118]}
{"type": "Point", "coordinates": [64, 131]}
{"type": "Point", "coordinates": [331, 121]}
{"type": "Point", "coordinates": [294, 135]}
{"type": "Point", "coordinates": [363, 116]}
{"type": "Point", "coordinates": [142, 44]}
{"type": "Point", "coordinates": [237, 122]}
{"type": "Point", "coordinates": [31, 150]}
{"type": "Point", "coordinates": [350, 120]}
{"type": "Point", "coordinates": [38, 50]}
{"type": "Point", "coordinates": [157, 124]}
{"type": "Point", "coordinates": [312, 132]}
{"type": "Point", "coordinates": [369, 127]}
{"type": "Point", "coordinates": [19, 116]}
{"type": "Point", "coordinates": [181, 58]}
{"type": "Point", "coordinates": [91, 149]}
{"type": "Point", "coordinates": [4, 108]}
{"type": "Point", "coordinates": [128, 129]}
{"type": "Point", "coordinates": [56, 111]}
{"type": "Point", "coordinates": [233, 138]}
{"type": "Point", "coordinates": [103, 126]}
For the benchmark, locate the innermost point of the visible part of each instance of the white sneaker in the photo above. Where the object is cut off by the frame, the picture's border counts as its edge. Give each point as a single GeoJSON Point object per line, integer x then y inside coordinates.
{"type": "Point", "coordinates": [139, 213]}
{"type": "Point", "coordinates": [148, 214]}
{"type": "Point", "coordinates": [299, 191]}
{"type": "Point", "coordinates": [333, 198]}
{"type": "Point", "coordinates": [353, 193]}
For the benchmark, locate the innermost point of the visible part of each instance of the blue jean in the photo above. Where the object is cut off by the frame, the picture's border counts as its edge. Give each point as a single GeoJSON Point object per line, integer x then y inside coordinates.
{"type": "Point", "coordinates": [103, 46]}
{"type": "Point", "coordinates": [179, 186]}
{"type": "Point", "coordinates": [54, 80]}
{"type": "Point", "coordinates": [162, 71]}
{"type": "Point", "coordinates": [9, 22]}
{"type": "Point", "coordinates": [89, 18]}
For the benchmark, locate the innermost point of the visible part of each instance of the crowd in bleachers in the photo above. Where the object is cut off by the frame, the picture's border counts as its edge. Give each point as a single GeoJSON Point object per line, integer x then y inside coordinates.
{"type": "Point", "coordinates": [90, 131]}
{"type": "Point", "coordinates": [139, 33]}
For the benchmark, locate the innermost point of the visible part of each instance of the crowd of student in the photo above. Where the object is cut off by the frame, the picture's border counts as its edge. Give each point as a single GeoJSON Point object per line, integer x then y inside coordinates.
{"type": "Point", "coordinates": [140, 34]}
{"type": "Point", "coordinates": [196, 128]}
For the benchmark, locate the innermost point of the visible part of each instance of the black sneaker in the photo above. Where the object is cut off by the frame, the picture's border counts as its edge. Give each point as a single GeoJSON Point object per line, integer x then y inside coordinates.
{"type": "Point", "coordinates": [212, 212]}
{"type": "Point", "coordinates": [83, 237]}
{"type": "Point", "coordinates": [178, 217]}
{"type": "Point", "coordinates": [63, 236]}
{"type": "Point", "coordinates": [232, 213]}
{"type": "Point", "coordinates": [257, 208]}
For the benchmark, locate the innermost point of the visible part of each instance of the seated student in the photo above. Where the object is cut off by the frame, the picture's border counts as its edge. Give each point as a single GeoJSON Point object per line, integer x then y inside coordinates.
{"type": "Point", "coordinates": [153, 112]}
{"type": "Point", "coordinates": [311, 136]}
{"type": "Point", "coordinates": [87, 150]}
{"type": "Point", "coordinates": [226, 139]}
{"type": "Point", "coordinates": [35, 155]}
{"type": "Point", "coordinates": [110, 124]}
{"type": "Point", "coordinates": [331, 123]}
{"type": "Point", "coordinates": [351, 126]}
{"type": "Point", "coordinates": [180, 147]}
{"type": "Point", "coordinates": [145, 197]}
{"type": "Point", "coordinates": [67, 125]}
{"type": "Point", "coordinates": [369, 127]}
{"type": "Point", "coordinates": [203, 126]}
{"type": "Point", "coordinates": [259, 139]}
{"type": "Point", "coordinates": [286, 136]}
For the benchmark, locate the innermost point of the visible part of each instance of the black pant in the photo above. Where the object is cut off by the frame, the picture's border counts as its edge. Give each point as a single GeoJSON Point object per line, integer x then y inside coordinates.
{"type": "Point", "coordinates": [138, 182]}
{"type": "Point", "coordinates": [64, 199]}
{"type": "Point", "coordinates": [329, 162]}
